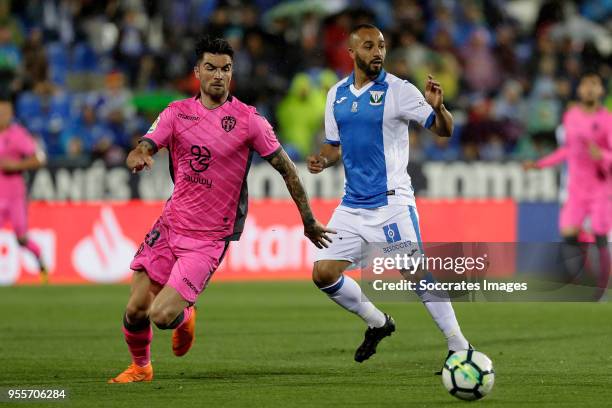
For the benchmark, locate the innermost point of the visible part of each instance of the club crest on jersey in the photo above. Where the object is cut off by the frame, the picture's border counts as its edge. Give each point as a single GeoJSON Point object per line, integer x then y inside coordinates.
{"type": "Point", "coordinates": [376, 97]}
{"type": "Point", "coordinates": [153, 126]}
{"type": "Point", "coordinates": [228, 123]}
{"type": "Point", "coordinates": [354, 106]}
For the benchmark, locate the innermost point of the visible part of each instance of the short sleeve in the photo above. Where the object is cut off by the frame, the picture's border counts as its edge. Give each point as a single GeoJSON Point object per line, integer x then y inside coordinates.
{"type": "Point", "coordinates": [413, 106]}
{"type": "Point", "coordinates": [160, 132]}
{"type": "Point", "coordinates": [27, 145]}
{"type": "Point", "coordinates": [262, 137]}
{"type": "Point", "coordinates": [332, 136]}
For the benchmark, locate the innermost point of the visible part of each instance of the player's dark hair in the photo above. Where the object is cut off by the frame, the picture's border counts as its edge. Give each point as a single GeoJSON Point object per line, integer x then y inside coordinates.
{"type": "Point", "coordinates": [590, 73]}
{"type": "Point", "coordinates": [213, 46]}
{"type": "Point", "coordinates": [7, 96]}
{"type": "Point", "coordinates": [362, 27]}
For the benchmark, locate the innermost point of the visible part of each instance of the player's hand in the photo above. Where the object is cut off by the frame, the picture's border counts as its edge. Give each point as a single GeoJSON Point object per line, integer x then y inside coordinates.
{"type": "Point", "coordinates": [317, 233]}
{"type": "Point", "coordinates": [433, 93]}
{"type": "Point", "coordinates": [595, 152]}
{"type": "Point", "coordinates": [137, 161]}
{"type": "Point", "coordinates": [529, 165]}
{"type": "Point", "coordinates": [9, 165]}
{"type": "Point", "coordinates": [316, 164]}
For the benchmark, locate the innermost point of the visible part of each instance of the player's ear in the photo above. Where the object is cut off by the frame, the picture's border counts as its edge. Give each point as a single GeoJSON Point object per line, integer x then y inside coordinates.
{"type": "Point", "coordinates": [196, 71]}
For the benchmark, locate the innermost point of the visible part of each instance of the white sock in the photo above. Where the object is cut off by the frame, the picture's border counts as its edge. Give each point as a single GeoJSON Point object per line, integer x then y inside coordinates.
{"type": "Point", "coordinates": [347, 293]}
{"type": "Point", "coordinates": [441, 310]}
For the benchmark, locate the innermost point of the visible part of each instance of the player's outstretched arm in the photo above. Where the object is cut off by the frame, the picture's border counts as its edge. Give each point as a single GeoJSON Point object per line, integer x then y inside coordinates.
{"type": "Point", "coordinates": [313, 229]}
{"type": "Point", "coordinates": [32, 162]}
{"type": "Point", "coordinates": [552, 159]}
{"type": "Point", "coordinates": [434, 95]}
{"type": "Point", "coordinates": [140, 157]}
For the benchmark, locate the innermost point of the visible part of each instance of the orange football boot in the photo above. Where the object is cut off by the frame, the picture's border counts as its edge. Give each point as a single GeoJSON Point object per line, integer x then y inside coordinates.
{"type": "Point", "coordinates": [134, 373]}
{"type": "Point", "coordinates": [183, 336]}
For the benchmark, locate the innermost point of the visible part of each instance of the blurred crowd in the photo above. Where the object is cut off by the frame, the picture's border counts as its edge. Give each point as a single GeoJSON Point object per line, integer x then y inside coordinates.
{"type": "Point", "coordinates": [91, 75]}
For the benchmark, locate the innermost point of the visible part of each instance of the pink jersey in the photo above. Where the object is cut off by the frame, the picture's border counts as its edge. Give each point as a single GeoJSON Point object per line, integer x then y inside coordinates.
{"type": "Point", "coordinates": [210, 153]}
{"type": "Point", "coordinates": [15, 144]}
{"type": "Point", "coordinates": [586, 176]}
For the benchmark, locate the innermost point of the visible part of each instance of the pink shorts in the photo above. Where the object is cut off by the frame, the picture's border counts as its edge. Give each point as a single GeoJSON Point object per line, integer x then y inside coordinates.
{"type": "Point", "coordinates": [184, 263]}
{"type": "Point", "coordinates": [14, 210]}
{"type": "Point", "coordinates": [576, 209]}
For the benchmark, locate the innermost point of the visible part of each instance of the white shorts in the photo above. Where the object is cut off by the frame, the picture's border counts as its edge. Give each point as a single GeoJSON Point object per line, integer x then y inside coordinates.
{"type": "Point", "coordinates": [357, 226]}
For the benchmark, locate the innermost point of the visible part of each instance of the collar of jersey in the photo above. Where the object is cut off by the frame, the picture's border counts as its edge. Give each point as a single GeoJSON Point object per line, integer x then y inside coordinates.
{"type": "Point", "coordinates": [378, 80]}
{"type": "Point", "coordinates": [197, 99]}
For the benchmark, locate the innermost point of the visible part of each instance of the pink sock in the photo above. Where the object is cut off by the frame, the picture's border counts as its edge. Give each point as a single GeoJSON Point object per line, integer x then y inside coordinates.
{"type": "Point", "coordinates": [186, 315]}
{"type": "Point", "coordinates": [139, 344]}
{"type": "Point", "coordinates": [32, 247]}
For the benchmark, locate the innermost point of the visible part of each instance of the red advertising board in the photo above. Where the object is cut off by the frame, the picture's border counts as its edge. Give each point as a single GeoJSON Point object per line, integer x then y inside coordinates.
{"type": "Point", "coordinates": [94, 242]}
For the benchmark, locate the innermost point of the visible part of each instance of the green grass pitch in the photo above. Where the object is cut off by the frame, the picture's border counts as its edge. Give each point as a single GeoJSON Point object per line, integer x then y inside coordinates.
{"type": "Point", "coordinates": [285, 344]}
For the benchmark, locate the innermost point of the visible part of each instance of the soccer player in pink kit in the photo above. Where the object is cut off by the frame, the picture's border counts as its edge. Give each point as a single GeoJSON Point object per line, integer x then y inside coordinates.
{"type": "Point", "coordinates": [588, 153]}
{"type": "Point", "coordinates": [18, 153]}
{"type": "Point", "coordinates": [211, 139]}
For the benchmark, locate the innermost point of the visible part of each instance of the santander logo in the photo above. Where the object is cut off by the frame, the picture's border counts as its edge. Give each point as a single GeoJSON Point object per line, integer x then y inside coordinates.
{"type": "Point", "coordinates": [105, 255]}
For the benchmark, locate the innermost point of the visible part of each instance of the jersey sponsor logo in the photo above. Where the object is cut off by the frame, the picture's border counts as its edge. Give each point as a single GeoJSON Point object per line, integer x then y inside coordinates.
{"type": "Point", "coordinates": [376, 98]}
{"type": "Point", "coordinates": [228, 123]}
{"type": "Point", "coordinates": [188, 117]}
{"type": "Point", "coordinates": [153, 126]}
{"type": "Point", "coordinates": [392, 233]}
{"type": "Point", "coordinates": [201, 158]}
{"type": "Point", "coordinates": [354, 106]}
{"type": "Point", "coordinates": [339, 101]}
{"type": "Point", "coordinates": [198, 180]}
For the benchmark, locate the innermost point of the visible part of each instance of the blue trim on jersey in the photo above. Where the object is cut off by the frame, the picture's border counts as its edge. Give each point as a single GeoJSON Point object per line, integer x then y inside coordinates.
{"type": "Point", "coordinates": [430, 120]}
{"type": "Point", "coordinates": [330, 290]}
{"type": "Point", "coordinates": [332, 142]}
{"type": "Point", "coordinates": [360, 127]}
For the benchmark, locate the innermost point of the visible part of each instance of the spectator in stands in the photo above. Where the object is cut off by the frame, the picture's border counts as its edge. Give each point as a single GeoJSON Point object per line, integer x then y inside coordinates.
{"type": "Point", "coordinates": [131, 45]}
{"type": "Point", "coordinates": [544, 109]}
{"type": "Point", "coordinates": [440, 149]}
{"type": "Point", "coordinates": [476, 49]}
{"type": "Point", "coordinates": [509, 111]}
{"type": "Point", "coordinates": [10, 58]}
{"type": "Point", "coordinates": [300, 115]}
{"type": "Point", "coordinates": [481, 69]}
{"type": "Point", "coordinates": [35, 64]}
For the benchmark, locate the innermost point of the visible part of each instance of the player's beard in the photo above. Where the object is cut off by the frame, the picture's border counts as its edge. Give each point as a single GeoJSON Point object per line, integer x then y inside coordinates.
{"type": "Point", "coordinates": [216, 93]}
{"type": "Point", "coordinates": [367, 68]}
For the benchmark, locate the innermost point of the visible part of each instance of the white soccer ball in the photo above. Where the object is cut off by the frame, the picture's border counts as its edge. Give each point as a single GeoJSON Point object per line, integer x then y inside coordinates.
{"type": "Point", "coordinates": [468, 375]}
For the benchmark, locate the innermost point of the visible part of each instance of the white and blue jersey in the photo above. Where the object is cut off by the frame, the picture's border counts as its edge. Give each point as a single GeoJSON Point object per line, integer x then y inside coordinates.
{"type": "Point", "coordinates": [371, 125]}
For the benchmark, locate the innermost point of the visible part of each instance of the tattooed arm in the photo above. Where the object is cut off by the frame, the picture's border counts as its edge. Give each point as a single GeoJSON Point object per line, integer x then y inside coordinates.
{"type": "Point", "coordinates": [314, 230]}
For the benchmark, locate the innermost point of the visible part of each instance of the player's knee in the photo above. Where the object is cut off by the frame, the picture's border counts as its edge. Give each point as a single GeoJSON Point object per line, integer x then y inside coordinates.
{"type": "Point", "coordinates": [325, 274]}
{"type": "Point", "coordinates": [136, 313]}
{"type": "Point", "coordinates": [162, 317]}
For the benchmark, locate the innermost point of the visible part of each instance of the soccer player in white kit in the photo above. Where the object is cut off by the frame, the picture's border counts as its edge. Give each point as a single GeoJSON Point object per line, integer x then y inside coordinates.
{"type": "Point", "coordinates": [366, 123]}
